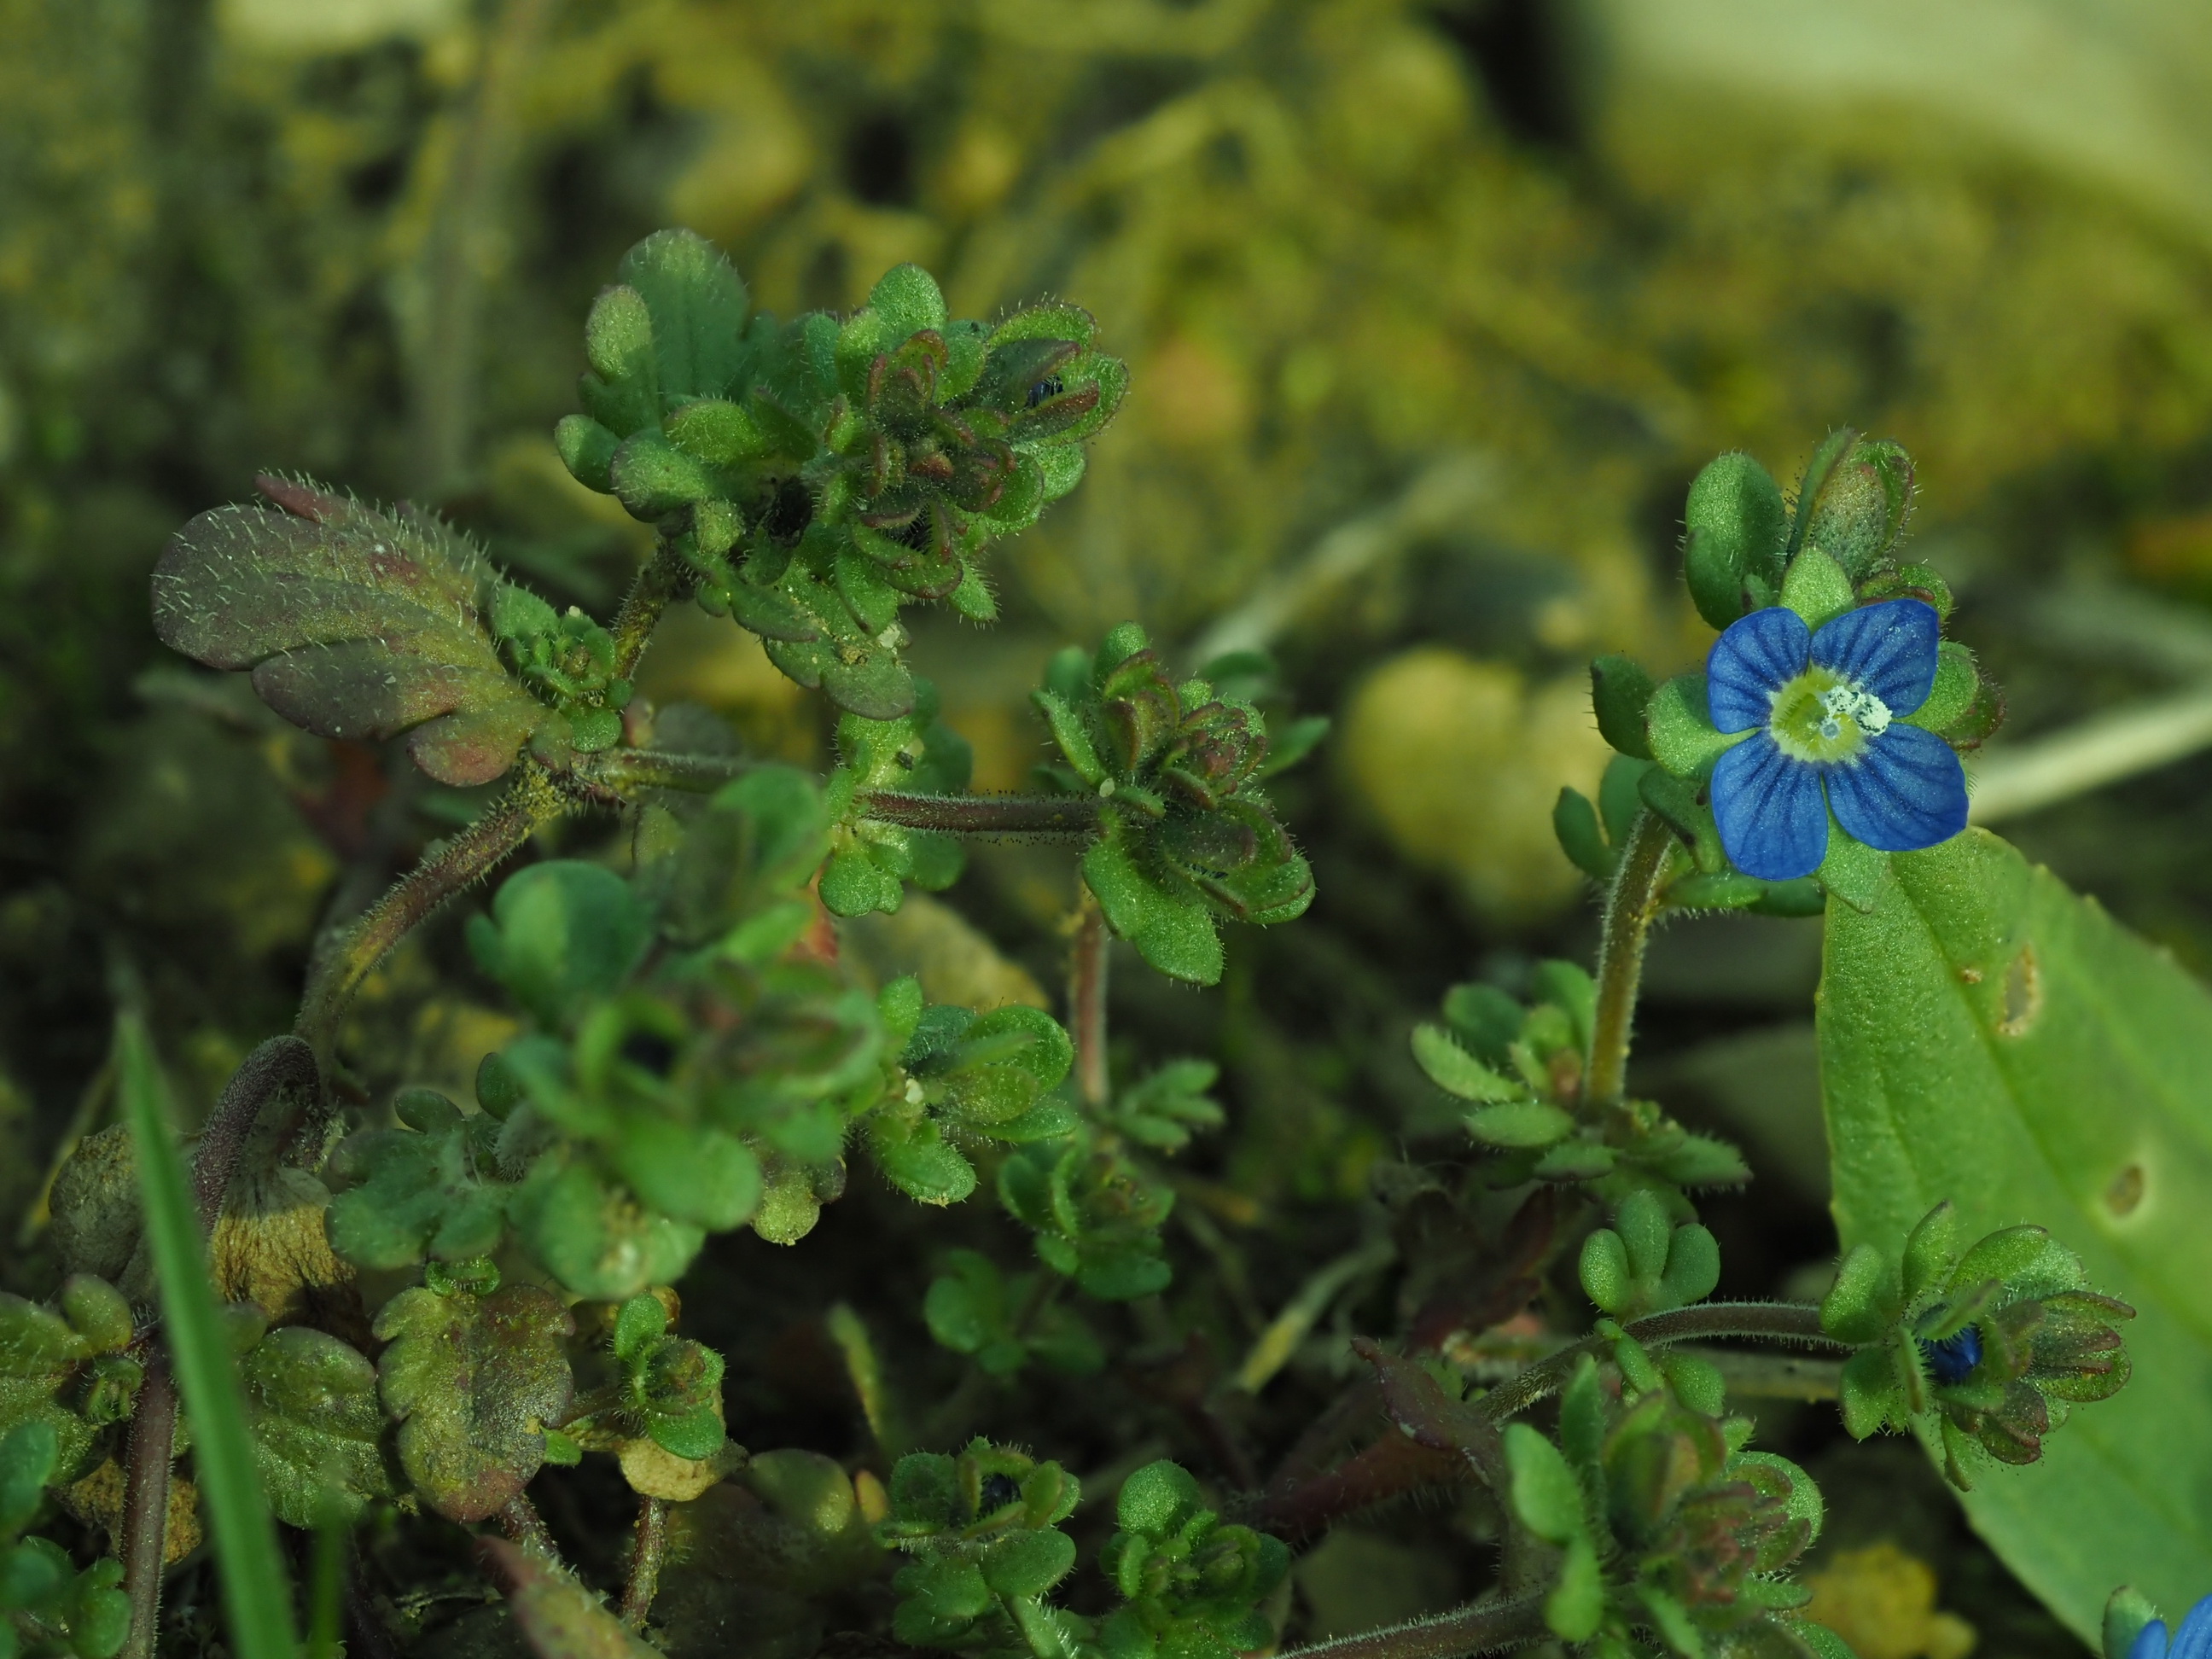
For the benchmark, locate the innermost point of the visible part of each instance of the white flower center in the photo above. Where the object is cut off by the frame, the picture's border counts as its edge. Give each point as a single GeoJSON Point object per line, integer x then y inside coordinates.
{"type": "Point", "coordinates": [1851, 702]}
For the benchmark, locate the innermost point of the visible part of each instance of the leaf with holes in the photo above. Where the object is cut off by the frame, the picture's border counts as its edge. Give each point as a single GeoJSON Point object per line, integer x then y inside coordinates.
{"type": "Point", "coordinates": [473, 1382]}
{"type": "Point", "coordinates": [355, 624]}
{"type": "Point", "coordinates": [1988, 1037]}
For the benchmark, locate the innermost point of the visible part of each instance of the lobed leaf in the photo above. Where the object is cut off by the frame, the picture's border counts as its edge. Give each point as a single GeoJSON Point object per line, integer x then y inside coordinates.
{"type": "Point", "coordinates": [473, 1382]}
{"type": "Point", "coordinates": [318, 1429]}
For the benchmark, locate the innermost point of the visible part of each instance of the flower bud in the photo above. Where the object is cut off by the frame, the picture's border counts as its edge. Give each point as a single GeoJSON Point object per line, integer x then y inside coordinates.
{"type": "Point", "coordinates": [1859, 508]}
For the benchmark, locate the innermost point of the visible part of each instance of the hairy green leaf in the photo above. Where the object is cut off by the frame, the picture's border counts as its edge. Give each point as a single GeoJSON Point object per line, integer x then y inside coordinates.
{"type": "Point", "coordinates": [357, 624]}
{"type": "Point", "coordinates": [474, 1381]}
{"type": "Point", "coordinates": [1989, 1038]}
{"type": "Point", "coordinates": [317, 1427]}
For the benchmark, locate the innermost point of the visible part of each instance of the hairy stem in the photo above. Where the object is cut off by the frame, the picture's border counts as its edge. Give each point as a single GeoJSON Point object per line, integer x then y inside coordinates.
{"type": "Point", "coordinates": [1629, 910]}
{"type": "Point", "coordinates": [661, 578]}
{"type": "Point", "coordinates": [283, 1063]}
{"type": "Point", "coordinates": [644, 1581]}
{"type": "Point", "coordinates": [1774, 1321]}
{"type": "Point", "coordinates": [339, 969]}
{"type": "Point", "coordinates": [1086, 998]}
{"type": "Point", "coordinates": [1306, 1506]}
{"type": "Point", "coordinates": [144, 1543]}
{"type": "Point", "coordinates": [624, 772]}
{"type": "Point", "coordinates": [1483, 1627]}
{"type": "Point", "coordinates": [520, 1520]}
{"type": "Point", "coordinates": [988, 815]}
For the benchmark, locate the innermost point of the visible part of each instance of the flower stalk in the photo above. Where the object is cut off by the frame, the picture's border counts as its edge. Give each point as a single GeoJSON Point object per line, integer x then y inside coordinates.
{"type": "Point", "coordinates": [1069, 816]}
{"type": "Point", "coordinates": [532, 802]}
{"type": "Point", "coordinates": [1482, 1627]}
{"type": "Point", "coordinates": [1630, 909]}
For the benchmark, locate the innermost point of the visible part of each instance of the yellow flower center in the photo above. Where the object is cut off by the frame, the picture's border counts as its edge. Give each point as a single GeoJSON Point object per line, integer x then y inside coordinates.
{"type": "Point", "coordinates": [1825, 719]}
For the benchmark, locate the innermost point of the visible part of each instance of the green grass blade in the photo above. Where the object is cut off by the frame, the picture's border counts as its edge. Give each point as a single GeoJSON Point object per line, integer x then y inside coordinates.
{"type": "Point", "coordinates": [256, 1591]}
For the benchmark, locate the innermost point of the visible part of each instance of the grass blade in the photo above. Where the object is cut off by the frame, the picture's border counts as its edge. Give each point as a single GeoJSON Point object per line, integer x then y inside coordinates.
{"type": "Point", "coordinates": [256, 1592]}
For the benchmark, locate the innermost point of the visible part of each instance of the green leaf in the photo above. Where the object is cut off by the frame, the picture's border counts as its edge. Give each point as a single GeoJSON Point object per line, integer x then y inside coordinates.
{"type": "Point", "coordinates": [652, 477]}
{"type": "Point", "coordinates": [594, 1238]}
{"type": "Point", "coordinates": [1863, 1302]}
{"type": "Point", "coordinates": [1817, 589]}
{"type": "Point", "coordinates": [1621, 693]}
{"type": "Point", "coordinates": [914, 1156]}
{"type": "Point", "coordinates": [434, 1193]}
{"type": "Point", "coordinates": [1989, 1038]}
{"type": "Point", "coordinates": [355, 624]}
{"type": "Point", "coordinates": [1156, 1498]}
{"type": "Point", "coordinates": [622, 389]}
{"type": "Point", "coordinates": [1957, 682]}
{"type": "Point", "coordinates": [1546, 1494]}
{"type": "Point", "coordinates": [1172, 930]}
{"type": "Point", "coordinates": [254, 1582]}
{"type": "Point", "coordinates": [1456, 1072]}
{"type": "Point", "coordinates": [697, 1434]}
{"type": "Point", "coordinates": [1576, 1601]}
{"type": "Point", "coordinates": [640, 1324]}
{"type": "Point", "coordinates": [981, 1070]}
{"type": "Point", "coordinates": [1681, 729]}
{"type": "Point", "coordinates": [1028, 1562]}
{"type": "Point", "coordinates": [1853, 870]}
{"type": "Point", "coordinates": [560, 933]}
{"type": "Point", "coordinates": [1734, 524]}
{"type": "Point", "coordinates": [317, 1425]}
{"type": "Point", "coordinates": [1519, 1123]}
{"type": "Point", "coordinates": [907, 298]}
{"type": "Point", "coordinates": [698, 306]}
{"type": "Point", "coordinates": [473, 1380]}
{"type": "Point", "coordinates": [40, 1356]}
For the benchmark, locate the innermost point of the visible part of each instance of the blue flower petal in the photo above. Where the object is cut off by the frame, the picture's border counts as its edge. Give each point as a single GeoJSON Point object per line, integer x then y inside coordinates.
{"type": "Point", "coordinates": [2194, 1641]}
{"type": "Point", "coordinates": [1769, 810]}
{"type": "Point", "coordinates": [1906, 791]}
{"type": "Point", "coordinates": [2150, 1641]}
{"type": "Point", "coordinates": [1757, 657]}
{"type": "Point", "coordinates": [1889, 649]}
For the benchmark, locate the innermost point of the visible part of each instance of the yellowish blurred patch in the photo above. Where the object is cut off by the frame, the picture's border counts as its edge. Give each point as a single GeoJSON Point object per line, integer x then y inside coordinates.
{"type": "Point", "coordinates": [710, 660]}
{"type": "Point", "coordinates": [1883, 1601]}
{"type": "Point", "coordinates": [954, 961]}
{"type": "Point", "coordinates": [1460, 761]}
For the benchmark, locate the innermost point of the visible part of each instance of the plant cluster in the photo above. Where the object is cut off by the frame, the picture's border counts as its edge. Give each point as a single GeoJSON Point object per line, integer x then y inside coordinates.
{"type": "Point", "coordinates": [696, 1056]}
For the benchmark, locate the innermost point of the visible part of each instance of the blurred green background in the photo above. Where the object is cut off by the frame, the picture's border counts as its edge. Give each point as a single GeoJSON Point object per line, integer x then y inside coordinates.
{"type": "Point", "coordinates": [1433, 311]}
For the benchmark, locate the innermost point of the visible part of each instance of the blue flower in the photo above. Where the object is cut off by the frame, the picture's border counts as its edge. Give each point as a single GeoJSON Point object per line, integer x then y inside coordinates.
{"type": "Point", "coordinates": [1825, 713]}
{"type": "Point", "coordinates": [1952, 1358]}
{"type": "Point", "coordinates": [2194, 1641]}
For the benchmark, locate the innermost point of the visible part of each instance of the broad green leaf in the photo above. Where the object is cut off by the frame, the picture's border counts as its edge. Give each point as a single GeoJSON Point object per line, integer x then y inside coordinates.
{"type": "Point", "coordinates": [1172, 929]}
{"type": "Point", "coordinates": [474, 1381]}
{"type": "Point", "coordinates": [357, 624]}
{"type": "Point", "coordinates": [1988, 1037]}
{"type": "Point", "coordinates": [311, 1402]}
